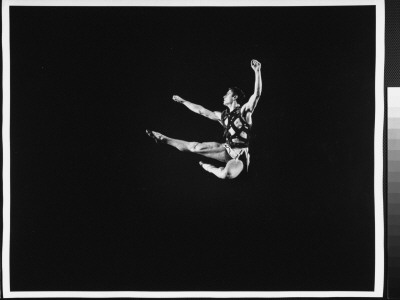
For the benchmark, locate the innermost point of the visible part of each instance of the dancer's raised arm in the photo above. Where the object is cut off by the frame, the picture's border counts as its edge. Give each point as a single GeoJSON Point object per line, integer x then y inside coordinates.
{"type": "Point", "coordinates": [252, 103]}
{"type": "Point", "coordinates": [198, 109]}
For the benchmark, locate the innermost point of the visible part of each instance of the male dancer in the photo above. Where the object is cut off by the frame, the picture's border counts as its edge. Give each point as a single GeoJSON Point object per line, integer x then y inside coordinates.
{"type": "Point", "coordinates": [237, 121]}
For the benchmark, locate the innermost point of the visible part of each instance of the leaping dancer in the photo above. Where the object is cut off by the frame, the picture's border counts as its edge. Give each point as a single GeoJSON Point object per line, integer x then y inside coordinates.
{"type": "Point", "coordinates": [237, 121]}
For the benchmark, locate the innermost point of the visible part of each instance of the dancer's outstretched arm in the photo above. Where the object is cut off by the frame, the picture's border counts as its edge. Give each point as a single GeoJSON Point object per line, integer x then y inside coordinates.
{"type": "Point", "coordinates": [252, 103]}
{"type": "Point", "coordinates": [198, 109]}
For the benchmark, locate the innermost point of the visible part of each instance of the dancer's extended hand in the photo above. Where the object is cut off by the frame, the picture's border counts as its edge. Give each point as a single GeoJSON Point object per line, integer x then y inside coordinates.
{"type": "Point", "coordinates": [255, 65]}
{"type": "Point", "coordinates": [178, 99]}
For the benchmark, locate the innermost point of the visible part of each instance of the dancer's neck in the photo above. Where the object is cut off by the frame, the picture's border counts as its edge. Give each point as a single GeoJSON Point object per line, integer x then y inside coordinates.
{"type": "Point", "coordinates": [232, 106]}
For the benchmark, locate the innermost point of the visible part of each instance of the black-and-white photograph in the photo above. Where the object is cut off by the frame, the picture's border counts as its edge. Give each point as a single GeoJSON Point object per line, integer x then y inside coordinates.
{"type": "Point", "coordinates": [196, 150]}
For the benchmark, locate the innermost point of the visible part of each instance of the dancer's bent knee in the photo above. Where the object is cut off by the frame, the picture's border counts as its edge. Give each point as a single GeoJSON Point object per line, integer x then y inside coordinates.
{"type": "Point", "coordinates": [233, 168]}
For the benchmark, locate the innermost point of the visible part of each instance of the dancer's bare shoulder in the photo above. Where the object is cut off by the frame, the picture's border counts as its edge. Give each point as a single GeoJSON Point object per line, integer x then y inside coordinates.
{"type": "Point", "coordinates": [246, 114]}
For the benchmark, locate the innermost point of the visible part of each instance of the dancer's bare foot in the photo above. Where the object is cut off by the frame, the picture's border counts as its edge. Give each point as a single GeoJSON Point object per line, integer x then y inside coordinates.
{"type": "Point", "coordinates": [156, 136]}
{"type": "Point", "coordinates": [204, 165]}
{"type": "Point", "coordinates": [178, 99]}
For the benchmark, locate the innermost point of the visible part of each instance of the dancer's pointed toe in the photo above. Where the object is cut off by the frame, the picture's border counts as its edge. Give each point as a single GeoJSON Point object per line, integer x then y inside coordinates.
{"type": "Point", "coordinates": [151, 134]}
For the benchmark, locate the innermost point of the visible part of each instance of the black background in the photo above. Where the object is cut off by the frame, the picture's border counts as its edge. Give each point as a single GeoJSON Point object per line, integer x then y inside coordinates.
{"type": "Point", "coordinates": [96, 205]}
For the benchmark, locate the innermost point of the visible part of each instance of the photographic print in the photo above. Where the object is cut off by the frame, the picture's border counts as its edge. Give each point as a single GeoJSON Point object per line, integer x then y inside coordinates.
{"type": "Point", "coordinates": [167, 149]}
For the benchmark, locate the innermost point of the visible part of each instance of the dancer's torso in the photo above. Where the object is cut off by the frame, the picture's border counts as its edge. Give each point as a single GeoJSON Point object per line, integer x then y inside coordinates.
{"type": "Point", "coordinates": [237, 129]}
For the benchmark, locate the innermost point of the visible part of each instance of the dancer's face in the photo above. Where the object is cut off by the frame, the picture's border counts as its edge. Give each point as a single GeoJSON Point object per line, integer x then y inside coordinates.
{"type": "Point", "coordinates": [229, 98]}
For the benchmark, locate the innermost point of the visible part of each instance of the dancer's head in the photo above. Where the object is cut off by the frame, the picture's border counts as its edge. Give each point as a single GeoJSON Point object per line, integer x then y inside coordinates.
{"type": "Point", "coordinates": [234, 94]}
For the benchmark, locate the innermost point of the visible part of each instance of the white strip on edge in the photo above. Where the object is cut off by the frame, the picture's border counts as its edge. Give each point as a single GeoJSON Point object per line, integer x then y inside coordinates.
{"type": "Point", "coordinates": [378, 166]}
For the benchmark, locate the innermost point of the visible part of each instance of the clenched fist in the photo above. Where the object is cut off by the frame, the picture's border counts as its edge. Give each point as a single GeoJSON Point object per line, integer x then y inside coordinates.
{"type": "Point", "coordinates": [255, 65]}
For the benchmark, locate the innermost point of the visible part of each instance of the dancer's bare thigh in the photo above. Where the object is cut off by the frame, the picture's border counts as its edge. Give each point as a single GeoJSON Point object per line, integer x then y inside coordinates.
{"type": "Point", "coordinates": [212, 150]}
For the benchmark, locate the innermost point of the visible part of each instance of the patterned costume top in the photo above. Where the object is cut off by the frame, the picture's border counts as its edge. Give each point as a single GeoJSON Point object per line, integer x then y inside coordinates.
{"type": "Point", "coordinates": [237, 130]}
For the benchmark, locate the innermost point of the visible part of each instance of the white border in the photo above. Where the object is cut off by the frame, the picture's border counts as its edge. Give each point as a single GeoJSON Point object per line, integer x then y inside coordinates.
{"type": "Point", "coordinates": [379, 123]}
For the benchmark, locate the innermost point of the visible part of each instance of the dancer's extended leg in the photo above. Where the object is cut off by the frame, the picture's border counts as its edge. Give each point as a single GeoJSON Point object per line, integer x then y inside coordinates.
{"type": "Point", "coordinates": [212, 150]}
{"type": "Point", "coordinates": [230, 171]}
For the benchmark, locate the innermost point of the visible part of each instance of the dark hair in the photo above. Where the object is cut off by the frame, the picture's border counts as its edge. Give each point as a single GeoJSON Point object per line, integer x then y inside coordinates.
{"type": "Point", "coordinates": [239, 93]}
